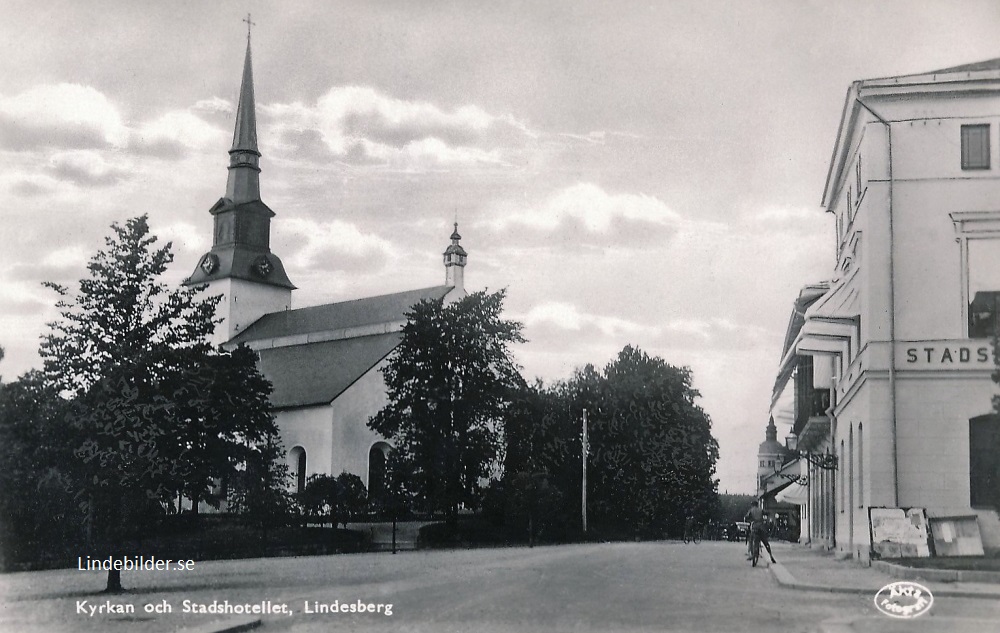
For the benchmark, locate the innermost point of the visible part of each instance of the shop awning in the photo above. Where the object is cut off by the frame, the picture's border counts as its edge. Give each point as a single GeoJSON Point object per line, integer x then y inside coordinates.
{"type": "Point", "coordinates": [821, 325]}
{"type": "Point", "coordinates": [797, 494]}
{"type": "Point", "coordinates": [781, 478]}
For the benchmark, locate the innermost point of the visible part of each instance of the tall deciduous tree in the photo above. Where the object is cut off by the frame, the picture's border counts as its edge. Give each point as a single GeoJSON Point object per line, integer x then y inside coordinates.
{"type": "Point", "coordinates": [38, 516]}
{"type": "Point", "coordinates": [158, 411]}
{"type": "Point", "coordinates": [651, 455]}
{"type": "Point", "coordinates": [654, 454]}
{"type": "Point", "coordinates": [448, 384]}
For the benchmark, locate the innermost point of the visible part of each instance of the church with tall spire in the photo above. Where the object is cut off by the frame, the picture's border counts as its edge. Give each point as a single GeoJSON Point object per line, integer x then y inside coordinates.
{"type": "Point", "coordinates": [323, 361]}
{"type": "Point", "coordinates": [241, 266]}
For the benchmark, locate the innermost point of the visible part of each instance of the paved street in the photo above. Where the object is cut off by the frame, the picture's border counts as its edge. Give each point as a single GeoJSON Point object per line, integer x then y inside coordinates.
{"type": "Point", "coordinates": [610, 587]}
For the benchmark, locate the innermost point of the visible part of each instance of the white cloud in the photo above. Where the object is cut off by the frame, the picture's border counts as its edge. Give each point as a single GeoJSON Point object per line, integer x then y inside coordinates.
{"type": "Point", "coordinates": [85, 167]}
{"type": "Point", "coordinates": [183, 235]}
{"type": "Point", "coordinates": [358, 124]}
{"type": "Point", "coordinates": [68, 256]}
{"type": "Point", "coordinates": [594, 208]}
{"type": "Point", "coordinates": [184, 127]}
{"type": "Point", "coordinates": [568, 317]}
{"type": "Point", "coordinates": [436, 151]}
{"type": "Point", "coordinates": [327, 244]}
{"type": "Point", "coordinates": [48, 112]}
{"type": "Point", "coordinates": [213, 105]}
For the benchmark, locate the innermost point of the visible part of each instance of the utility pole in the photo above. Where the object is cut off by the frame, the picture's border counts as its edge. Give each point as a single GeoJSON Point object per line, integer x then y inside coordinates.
{"type": "Point", "coordinates": [584, 487]}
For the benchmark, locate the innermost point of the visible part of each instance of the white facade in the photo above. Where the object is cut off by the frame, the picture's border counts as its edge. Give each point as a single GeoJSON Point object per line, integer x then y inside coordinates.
{"type": "Point", "coordinates": [917, 215]}
{"type": "Point", "coordinates": [335, 437]}
{"type": "Point", "coordinates": [243, 302]}
{"type": "Point", "coordinates": [324, 361]}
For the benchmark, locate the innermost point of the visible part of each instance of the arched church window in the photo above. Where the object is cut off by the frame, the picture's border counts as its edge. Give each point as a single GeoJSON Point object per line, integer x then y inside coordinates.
{"type": "Point", "coordinates": [297, 457]}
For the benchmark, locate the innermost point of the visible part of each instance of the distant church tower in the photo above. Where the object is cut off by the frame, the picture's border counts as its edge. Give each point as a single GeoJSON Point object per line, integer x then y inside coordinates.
{"type": "Point", "coordinates": [770, 455]}
{"type": "Point", "coordinates": [454, 267]}
{"type": "Point", "coordinates": [241, 266]}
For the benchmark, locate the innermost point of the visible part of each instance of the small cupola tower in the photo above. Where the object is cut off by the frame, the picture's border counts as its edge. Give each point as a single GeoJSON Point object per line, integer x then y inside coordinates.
{"type": "Point", "coordinates": [454, 266]}
{"type": "Point", "coordinates": [241, 266]}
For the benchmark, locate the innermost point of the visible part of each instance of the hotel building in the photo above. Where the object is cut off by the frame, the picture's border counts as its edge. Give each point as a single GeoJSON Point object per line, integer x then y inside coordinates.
{"type": "Point", "coordinates": [886, 371]}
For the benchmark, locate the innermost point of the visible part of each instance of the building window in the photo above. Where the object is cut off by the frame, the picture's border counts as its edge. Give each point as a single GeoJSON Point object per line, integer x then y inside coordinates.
{"type": "Point", "coordinates": [850, 460]}
{"type": "Point", "coordinates": [984, 286]}
{"type": "Point", "coordinates": [842, 461]}
{"type": "Point", "coordinates": [976, 146]}
{"type": "Point", "coordinates": [861, 465]}
{"type": "Point", "coordinates": [857, 174]}
{"type": "Point", "coordinates": [984, 462]}
{"type": "Point", "coordinates": [297, 457]}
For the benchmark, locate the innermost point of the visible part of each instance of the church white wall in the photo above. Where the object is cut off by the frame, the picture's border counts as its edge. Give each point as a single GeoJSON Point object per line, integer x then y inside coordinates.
{"type": "Point", "coordinates": [310, 428]}
{"type": "Point", "coordinates": [243, 303]}
{"type": "Point", "coordinates": [351, 438]}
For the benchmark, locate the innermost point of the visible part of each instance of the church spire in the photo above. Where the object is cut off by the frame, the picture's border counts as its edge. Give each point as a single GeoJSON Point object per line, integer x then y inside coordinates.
{"type": "Point", "coordinates": [771, 432]}
{"type": "Point", "coordinates": [243, 184]}
{"type": "Point", "coordinates": [240, 265]}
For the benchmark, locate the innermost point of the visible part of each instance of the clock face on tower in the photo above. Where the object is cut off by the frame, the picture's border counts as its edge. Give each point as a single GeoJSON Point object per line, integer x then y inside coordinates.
{"type": "Point", "coordinates": [209, 263]}
{"type": "Point", "coordinates": [262, 266]}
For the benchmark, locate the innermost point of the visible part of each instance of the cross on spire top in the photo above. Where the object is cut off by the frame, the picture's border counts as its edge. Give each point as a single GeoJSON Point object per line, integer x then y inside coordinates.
{"type": "Point", "coordinates": [249, 24]}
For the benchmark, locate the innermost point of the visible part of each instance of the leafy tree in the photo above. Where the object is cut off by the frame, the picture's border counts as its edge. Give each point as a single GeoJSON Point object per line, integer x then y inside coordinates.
{"type": "Point", "coordinates": [654, 455]}
{"type": "Point", "coordinates": [542, 462]}
{"type": "Point", "coordinates": [258, 491]}
{"type": "Point", "coordinates": [222, 419]}
{"type": "Point", "coordinates": [38, 516]}
{"type": "Point", "coordinates": [320, 497]}
{"type": "Point", "coordinates": [448, 384]}
{"type": "Point", "coordinates": [651, 455]}
{"type": "Point", "coordinates": [157, 410]}
{"type": "Point", "coordinates": [353, 496]}
{"type": "Point", "coordinates": [733, 507]}
{"type": "Point", "coordinates": [124, 319]}
{"type": "Point", "coordinates": [339, 498]}
{"type": "Point", "coordinates": [531, 499]}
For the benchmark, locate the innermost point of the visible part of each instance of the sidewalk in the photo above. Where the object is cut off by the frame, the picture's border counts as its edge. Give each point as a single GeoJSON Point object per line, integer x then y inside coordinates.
{"type": "Point", "coordinates": [808, 569]}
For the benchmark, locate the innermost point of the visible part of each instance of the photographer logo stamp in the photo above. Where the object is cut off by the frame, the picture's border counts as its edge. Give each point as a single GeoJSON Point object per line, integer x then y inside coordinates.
{"type": "Point", "coordinates": [904, 600]}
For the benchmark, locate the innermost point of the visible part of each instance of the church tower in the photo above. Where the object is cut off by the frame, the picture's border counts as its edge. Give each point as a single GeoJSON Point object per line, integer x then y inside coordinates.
{"type": "Point", "coordinates": [454, 267]}
{"type": "Point", "coordinates": [241, 266]}
{"type": "Point", "coordinates": [771, 455]}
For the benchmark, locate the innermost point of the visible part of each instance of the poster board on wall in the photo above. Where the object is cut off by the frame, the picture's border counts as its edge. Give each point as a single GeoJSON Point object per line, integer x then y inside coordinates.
{"type": "Point", "coordinates": [956, 536]}
{"type": "Point", "coordinates": [898, 532]}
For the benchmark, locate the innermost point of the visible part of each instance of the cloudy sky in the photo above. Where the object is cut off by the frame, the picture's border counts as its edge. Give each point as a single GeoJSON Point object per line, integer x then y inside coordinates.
{"type": "Point", "coordinates": [632, 172]}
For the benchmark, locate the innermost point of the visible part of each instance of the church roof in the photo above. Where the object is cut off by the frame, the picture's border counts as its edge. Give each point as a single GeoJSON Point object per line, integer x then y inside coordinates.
{"type": "Point", "coordinates": [317, 373]}
{"type": "Point", "coordinates": [337, 316]}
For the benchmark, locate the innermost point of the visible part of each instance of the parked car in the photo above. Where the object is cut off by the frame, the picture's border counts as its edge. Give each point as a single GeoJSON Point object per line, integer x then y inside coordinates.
{"type": "Point", "coordinates": [742, 527]}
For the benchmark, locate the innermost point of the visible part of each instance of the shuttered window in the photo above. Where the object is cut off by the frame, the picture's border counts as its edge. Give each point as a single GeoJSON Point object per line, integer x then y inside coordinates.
{"type": "Point", "coordinates": [984, 462]}
{"type": "Point", "coordinates": [975, 147]}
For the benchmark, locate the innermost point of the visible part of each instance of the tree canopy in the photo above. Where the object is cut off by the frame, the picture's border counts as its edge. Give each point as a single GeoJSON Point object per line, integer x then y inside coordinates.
{"type": "Point", "coordinates": [449, 383]}
{"type": "Point", "coordinates": [154, 411]}
{"type": "Point", "coordinates": [651, 454]}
